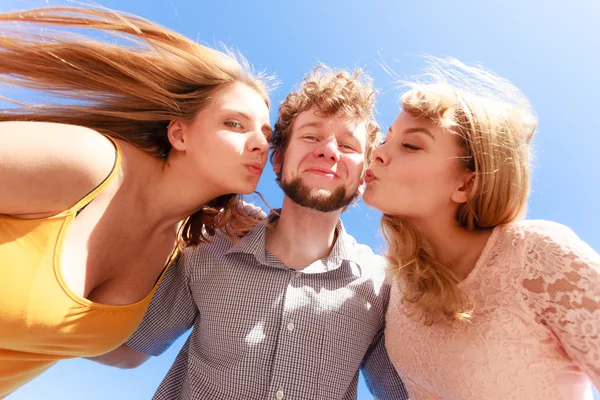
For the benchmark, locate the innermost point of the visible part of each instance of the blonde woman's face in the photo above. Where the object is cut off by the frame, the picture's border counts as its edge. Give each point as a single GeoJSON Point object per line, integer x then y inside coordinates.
{"type": "Point", "coordinates": [226, 144]}
{"type": "Point", "coordinates": [417, 172]}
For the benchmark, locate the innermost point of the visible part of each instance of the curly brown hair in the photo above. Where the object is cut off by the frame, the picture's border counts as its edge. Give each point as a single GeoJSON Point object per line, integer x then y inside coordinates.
{"type": "Point", "coordinates": [333, 92]}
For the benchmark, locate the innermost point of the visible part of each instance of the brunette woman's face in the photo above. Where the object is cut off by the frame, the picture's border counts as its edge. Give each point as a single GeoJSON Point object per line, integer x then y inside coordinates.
{"type": "Point", "coordinates": [227, 142]}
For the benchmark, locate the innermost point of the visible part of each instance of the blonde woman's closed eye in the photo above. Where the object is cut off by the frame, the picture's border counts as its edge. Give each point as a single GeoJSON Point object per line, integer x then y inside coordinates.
{"type": "Point", "coordinates": [411, 147]}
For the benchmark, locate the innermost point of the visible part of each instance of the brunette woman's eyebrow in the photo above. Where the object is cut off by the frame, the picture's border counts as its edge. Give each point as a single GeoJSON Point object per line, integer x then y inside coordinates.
{"type": "Point", "coordinates": [238, 112]}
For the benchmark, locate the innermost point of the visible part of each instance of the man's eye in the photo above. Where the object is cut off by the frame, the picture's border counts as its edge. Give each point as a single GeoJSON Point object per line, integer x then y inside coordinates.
{"type": "Point", "coordinates": [234, 124]}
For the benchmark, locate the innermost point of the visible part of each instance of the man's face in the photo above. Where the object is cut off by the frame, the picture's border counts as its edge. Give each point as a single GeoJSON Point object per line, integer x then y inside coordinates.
{"type": "Point", "coordinates": [323, 164]}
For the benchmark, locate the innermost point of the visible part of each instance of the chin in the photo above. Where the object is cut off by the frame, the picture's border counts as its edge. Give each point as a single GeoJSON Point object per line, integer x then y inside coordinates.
{"type": "Point", "coordinates": [246, 186]}
{"type": "Point", "coordinates": [368, 197]}
{"type": "Point", "coordinates": [247, 190]}
{"type": "Point", "coordinates": [371, 201]}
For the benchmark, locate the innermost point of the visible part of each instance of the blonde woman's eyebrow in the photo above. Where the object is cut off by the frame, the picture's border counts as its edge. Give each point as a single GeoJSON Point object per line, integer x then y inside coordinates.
{"type": "Point", "coordinates": [420, 130]}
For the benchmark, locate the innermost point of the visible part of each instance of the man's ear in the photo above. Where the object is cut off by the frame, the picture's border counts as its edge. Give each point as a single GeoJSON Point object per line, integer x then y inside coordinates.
{"type": "Point", "coordinates": [466, 190]}
{"type": "Point", "coordinates": [361, 186]}
{"type": "Point", "coordinates": [176, 132]}
{"type": "Point", "coordinates": [277, 161]}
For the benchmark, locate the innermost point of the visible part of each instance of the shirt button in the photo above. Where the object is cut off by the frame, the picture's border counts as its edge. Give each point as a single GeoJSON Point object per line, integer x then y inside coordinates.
{"type": "Point", "coordinates": [279, 394]}
{"type": "Point", "coordinates": [290, 326]}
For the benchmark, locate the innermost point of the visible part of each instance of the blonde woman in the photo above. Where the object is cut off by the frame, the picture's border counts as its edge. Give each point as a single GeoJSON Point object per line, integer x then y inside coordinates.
{"type": "Point", "coordinates": [94, 194]}
{"type": "Point", "coordinates": [484, 305]}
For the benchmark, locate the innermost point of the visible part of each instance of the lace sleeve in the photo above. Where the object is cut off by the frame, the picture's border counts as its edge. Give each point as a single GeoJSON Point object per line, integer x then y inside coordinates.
{"type": "Point", "coordinates": [562, 286]}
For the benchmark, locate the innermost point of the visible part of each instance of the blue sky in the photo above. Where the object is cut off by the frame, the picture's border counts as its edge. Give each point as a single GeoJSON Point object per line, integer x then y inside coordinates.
{"type": "Point", "coordinates": [548, 48]}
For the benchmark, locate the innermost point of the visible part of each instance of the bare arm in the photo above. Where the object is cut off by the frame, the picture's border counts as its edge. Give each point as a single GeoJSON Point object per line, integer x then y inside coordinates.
{"type": "Point", "coordinates": [122, 357]}
{"type": "Point", "coordinates": [46, 168]}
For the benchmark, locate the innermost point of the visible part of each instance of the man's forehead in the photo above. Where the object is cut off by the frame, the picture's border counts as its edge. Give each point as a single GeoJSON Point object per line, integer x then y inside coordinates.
{"type": "Point", "coordinates": [317, 118]}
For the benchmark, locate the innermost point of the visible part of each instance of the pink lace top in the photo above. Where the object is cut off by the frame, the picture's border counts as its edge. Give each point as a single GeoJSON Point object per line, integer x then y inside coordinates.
{"type": "Point", "coordinates": [535, 330]}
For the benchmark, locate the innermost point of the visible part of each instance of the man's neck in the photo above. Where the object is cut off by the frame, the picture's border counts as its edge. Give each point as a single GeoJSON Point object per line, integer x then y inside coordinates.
{"type": "Point", "coordinates": [301, 235]}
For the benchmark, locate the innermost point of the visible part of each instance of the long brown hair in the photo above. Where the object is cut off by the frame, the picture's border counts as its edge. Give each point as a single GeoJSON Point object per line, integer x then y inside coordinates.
{"type": "Point", "coordinates": [128, 91]}
{"type": "Point", "coordinates": [495, 123]}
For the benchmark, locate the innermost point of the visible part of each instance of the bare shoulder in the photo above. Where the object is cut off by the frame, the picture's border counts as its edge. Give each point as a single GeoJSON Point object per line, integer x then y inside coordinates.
{"type": "Point", "coordinates": [46, 168]}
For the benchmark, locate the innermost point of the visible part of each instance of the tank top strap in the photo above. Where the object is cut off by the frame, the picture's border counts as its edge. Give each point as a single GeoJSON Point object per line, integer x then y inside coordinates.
{"type": "Point", "coordinates": [92, 195]}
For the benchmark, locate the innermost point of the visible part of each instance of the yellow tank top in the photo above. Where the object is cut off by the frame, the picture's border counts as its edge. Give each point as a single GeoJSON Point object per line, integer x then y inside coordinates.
{"type": "Point", "coordinates": [41, 320]}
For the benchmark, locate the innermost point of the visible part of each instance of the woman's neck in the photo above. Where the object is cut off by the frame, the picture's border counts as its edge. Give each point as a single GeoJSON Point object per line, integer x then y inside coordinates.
{"type": "Point", "coordinates": [455, 246]}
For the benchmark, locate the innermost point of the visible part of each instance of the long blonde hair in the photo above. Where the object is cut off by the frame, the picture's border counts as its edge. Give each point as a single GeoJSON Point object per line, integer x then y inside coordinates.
{"type": "Point", "coordinates": [495, 123]}
{"type": "Point", "coordinates": [127, 91]}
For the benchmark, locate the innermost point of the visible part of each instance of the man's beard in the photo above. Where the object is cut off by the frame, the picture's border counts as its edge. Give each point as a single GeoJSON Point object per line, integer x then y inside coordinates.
{"type": "Point", "coordinates": [315, 199]}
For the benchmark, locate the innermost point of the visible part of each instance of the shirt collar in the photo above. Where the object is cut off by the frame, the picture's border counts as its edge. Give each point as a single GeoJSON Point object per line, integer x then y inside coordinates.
{"type": "Point", "coordinates": [254, 244]}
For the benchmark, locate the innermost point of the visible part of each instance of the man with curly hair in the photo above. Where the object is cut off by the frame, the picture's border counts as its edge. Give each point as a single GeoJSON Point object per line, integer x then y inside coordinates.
{"type": "Point", "coordinates": [295, 308]}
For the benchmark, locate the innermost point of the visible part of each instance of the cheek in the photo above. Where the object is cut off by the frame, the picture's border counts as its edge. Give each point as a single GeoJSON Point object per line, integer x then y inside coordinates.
{"type": "Point", "coordinates": [229, 146]}
{"type": "Point", "coordinates": [420, 183]}
{"type": "Point", "coordinates": [220, 153]}
{"type": "Point", "coordinates": [295, 159]}
{"type": "Point", "coordinates": [287, 164]}
{"type": "Point", "coordinates": [355, 166]}
{"type": "Point", "coordinates": [435, 180]}
{"type": "Point", "coordinates": [413, 173]}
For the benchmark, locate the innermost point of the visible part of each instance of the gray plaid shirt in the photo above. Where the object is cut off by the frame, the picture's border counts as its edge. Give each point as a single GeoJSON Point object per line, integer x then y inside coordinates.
{"type": "Point", "coordinates": [262, 330]}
